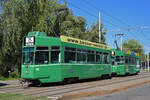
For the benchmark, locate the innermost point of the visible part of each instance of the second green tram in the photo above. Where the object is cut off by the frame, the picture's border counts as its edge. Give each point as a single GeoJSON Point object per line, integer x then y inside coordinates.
{"type": "Point", "coordinates": [124, 62]}
{"type": "Point", "coordinates": [48, 59]}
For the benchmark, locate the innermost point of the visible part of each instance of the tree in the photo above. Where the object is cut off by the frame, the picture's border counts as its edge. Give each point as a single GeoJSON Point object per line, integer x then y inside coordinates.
{"type": "Point", "coordinates": [1, 40]}
{"type": "Point", "coordinates": [1, 31]}
{"type": "Point", "coordinates": [134, 46]}
{"type": "Point", "coordinates": [93, 33]}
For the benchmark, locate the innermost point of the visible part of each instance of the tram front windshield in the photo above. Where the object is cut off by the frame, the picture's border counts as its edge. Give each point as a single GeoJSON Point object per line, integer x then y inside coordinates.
{"type": "Point", "coordinates": [28, 54]}
{"type": "Point", "coordinates": [119, 60]}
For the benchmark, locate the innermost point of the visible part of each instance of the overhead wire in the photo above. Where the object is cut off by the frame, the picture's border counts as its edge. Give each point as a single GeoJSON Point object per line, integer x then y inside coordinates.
{"type": "Point", "coordinates": [85, 11]}
{"type": "Point", "coordinates": [107, 14]}
{"type": "Point", "coordinates": [95, 16]}
{"type": "Point", "coordinates": [111, 16]}
{"type": "Point", "coordinates": [104, 12]}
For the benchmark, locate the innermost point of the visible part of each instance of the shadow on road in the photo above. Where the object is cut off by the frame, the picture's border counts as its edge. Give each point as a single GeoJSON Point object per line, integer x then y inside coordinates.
{"type": "Point", "coordinates": [64, 83]}
{"type": "Point", "coordinates": [3, 84]}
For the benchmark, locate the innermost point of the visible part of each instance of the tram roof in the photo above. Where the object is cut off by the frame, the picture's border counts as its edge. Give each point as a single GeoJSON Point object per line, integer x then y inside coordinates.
{"type": "Point", "coordinates": [127, 52]}
{"type": "Point", "coordinates": [67, 39]}
{"type": "Point", "coordinates": [83, 42]}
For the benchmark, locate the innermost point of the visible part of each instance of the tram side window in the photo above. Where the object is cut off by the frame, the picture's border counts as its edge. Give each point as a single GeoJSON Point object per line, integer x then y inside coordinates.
{"type": "Point", "coordinates": [55, 54]}
{"type": "Point", "coordinates": [133, 60]}
{"type": "Point", "coordinates": [127, 60]}
{"type": "Point", "coordinates": [122, 59]}
{"type": "Point", "coordinates": [41, 55]}
{"type": "Point", "coordinates": [81, 56]}
{"type": "Point", "coordinates": [99, 57]}
{"type": "Point", "coordinates": [130, 60]}
{"type": "Point", "coordinates": [119, 60]}
{"type": "Point", "coordinates": [137, 62]}
{"type": "Point", "coordinates": [106, 58]}
{"type": "Point", "coordinates": [70, 54]}
{"type": "Point", "coordinates": [90, 56]}
{"type": "Point", "coordinates": [113, 60]}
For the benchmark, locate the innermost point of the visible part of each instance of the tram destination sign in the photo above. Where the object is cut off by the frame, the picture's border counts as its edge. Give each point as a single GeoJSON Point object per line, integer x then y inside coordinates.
{"type": "Point", "coordinates": [131, 53]}
{"type": "Point", "coordinates": [29, 41]}
{"type": "Point", "coordinates": [83, 42]}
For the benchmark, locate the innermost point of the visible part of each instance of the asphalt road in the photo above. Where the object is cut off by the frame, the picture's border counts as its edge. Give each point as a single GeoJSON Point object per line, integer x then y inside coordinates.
{"type": "Point", "coordinates": [136, 93]}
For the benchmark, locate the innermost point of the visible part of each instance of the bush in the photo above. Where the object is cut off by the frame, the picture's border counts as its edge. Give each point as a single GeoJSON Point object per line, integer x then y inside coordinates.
{"type": "Point", "coordinates": [1, 77]}
{"type": "Point", "coordinates": [14, 75]}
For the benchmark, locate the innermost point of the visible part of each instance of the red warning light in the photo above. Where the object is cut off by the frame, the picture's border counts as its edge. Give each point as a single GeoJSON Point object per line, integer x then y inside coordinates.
{"type": "Point", "coordinates": [112, 53]}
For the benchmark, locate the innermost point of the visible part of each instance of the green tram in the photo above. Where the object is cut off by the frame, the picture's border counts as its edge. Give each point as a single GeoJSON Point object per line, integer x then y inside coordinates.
{"type": "Point", "coordinates": [48, 59]}
{"type": "Point", "coordinates": [124, 62]}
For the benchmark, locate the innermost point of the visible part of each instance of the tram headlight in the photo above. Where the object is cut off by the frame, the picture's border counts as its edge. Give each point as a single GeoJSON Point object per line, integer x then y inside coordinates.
{"type": "Point", "coordinates": [37, 69]}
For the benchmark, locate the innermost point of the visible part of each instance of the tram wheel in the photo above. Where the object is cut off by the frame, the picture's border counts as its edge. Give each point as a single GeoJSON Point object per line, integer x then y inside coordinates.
{"type": "Point", "coordinates": [24, 83]}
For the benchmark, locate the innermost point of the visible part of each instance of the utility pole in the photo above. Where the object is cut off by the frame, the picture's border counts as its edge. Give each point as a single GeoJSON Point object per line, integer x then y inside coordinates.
{"type": "Point", "coordinates": [99, 27]}
{"type": "Point", "coordinates": [148, 61]}
{"type": "Point", "coordinates": [145, 61]}
{"type": "Point", "coordinates": [121, 39]}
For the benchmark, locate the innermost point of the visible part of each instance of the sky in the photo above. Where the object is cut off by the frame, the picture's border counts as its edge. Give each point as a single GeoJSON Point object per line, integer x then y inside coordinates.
{"type": "Point", "coordinates": [115, 15]}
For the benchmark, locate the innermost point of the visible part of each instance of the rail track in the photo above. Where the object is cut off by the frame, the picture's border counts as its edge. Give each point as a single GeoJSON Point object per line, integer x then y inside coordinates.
{"type": "Point", "coordinates": [56, 90]}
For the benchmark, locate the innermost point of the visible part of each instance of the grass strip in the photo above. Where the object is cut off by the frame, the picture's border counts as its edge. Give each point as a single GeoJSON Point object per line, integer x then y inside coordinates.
{"type": "Point", "coordinates": [20, 97]}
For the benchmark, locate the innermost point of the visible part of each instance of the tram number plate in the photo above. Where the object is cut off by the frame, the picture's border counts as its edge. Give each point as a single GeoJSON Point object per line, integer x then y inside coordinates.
{"type": "Point", "coordinates": [29, 41]}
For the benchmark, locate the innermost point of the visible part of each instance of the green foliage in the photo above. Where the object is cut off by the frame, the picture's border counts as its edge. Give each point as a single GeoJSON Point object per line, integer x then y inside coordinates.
{"type": "Point", "coordinates": [134, 46]}
{"type": "Point", "coordinates": [1, 39]}
{"type": "Point", "coordinates": [20, 97]}
{"type": "Point", "coordinates": [2, 77]}
{"type": "Point", "coordinates": [93, 33]}
{"type": "Point", "coordinates": [14, 75]}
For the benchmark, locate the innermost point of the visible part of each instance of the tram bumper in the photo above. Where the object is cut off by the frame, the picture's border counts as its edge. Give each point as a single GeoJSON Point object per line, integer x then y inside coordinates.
{"type": "Point", "coordinates": [27, 72]}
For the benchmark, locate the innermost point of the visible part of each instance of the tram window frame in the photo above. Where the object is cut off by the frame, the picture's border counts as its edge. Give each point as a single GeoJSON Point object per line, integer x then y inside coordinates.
{"type": "Point", "coordinates": [133, 60]}
{"type": "Point", "coordinates": [105, 58]}
{"type": "Point", "coordinates": [70, 51]}
{"type": "Point", "coordinates": [39, 59]}
{"type": "Point", "coordinates": [113, 60]}
{"type": "Point", "coordinates": [56, 50]}
{"type": "Point", "coordinates": [126, 60]}
{"type": "Point", "coordinates": [137, 61]}
{"type": "Point", "coordinates": [99, 57]}
{"type": "Point", "coordinates": [42, 48]}
{"type": "Point", "coordinates": [122, 60]}
{"type": "Point", "coordinates": [117, 59]}
{"type": "Point", "coordinates": [81, 56]}
{"type": "Point", "coordinates": [130, 60]}
{"type": "Point", "coordinates": [91, 56]}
